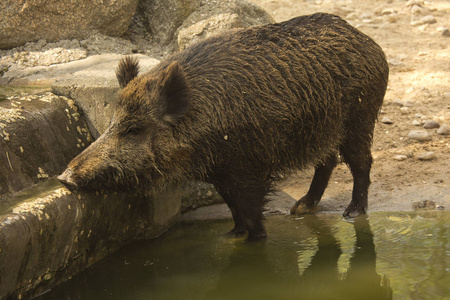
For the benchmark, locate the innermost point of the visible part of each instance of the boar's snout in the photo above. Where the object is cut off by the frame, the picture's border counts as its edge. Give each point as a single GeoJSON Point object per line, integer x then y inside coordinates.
{"type": "Point", "coordinates": [67, 179]}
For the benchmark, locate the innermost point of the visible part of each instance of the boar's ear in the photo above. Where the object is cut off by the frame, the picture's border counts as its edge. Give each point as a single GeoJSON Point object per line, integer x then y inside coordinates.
{"type": "Point", "coordinates": [127, 69]}
{"type": "Point", "coordinates": [175, 98]}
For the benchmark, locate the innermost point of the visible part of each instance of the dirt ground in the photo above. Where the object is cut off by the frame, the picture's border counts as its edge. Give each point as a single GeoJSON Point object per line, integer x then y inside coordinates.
{"type": "Point", "coordinates": [416, 40]}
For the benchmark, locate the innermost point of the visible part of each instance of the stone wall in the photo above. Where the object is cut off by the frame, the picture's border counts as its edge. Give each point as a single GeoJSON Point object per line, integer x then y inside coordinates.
{"type": "Point", "coordinates": [31, 20]}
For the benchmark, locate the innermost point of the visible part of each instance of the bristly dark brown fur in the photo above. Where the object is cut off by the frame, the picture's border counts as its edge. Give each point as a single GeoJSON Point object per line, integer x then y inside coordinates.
{"type": "Point", "coordinates": [127, 69]}
{"type": "Point", "coordinates": [241, 109]}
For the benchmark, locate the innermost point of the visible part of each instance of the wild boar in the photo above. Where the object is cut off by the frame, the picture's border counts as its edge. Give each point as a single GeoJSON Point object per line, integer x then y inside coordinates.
{"type": "Point", "coordinates": [241, 110]}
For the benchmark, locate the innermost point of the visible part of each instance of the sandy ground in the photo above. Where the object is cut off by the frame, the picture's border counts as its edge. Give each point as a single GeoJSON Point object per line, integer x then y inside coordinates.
{"type": "Point", "coordinates": [419, 57]}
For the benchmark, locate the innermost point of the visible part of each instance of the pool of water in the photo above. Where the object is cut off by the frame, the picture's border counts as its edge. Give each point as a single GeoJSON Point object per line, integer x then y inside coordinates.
{"type": "Point", "coordinates": [384, 256]}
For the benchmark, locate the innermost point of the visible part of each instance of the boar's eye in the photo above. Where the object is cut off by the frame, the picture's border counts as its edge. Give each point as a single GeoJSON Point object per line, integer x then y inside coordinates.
{"type": "Point", "coordinates": [133, 130]}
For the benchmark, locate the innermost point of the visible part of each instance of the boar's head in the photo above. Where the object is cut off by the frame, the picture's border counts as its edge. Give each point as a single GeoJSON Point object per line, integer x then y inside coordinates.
{"type": "Point", "coordinates": [140, 146]}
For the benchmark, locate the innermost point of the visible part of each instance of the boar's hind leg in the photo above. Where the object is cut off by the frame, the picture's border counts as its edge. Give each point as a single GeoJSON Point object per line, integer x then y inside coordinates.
{"type": "Point", "coordinates": [308, 203]}
{"type": "Point", "coordinates": [356, 153]}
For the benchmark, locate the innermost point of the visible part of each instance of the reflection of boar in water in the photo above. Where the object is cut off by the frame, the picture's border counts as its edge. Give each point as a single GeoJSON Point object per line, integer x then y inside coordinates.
{"type": "Point", "coordinates": [241, 109]}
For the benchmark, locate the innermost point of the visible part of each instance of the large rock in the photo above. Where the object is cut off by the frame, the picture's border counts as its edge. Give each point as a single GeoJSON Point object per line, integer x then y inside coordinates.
{"type": "Point", "coordinates": [31, 20]}
{"type": "Point", "coordinates": [159, 20]}
{"type": "Point", "coordinates": [217, 16]}
{"type": "Point", "coordinates": [39, 134]}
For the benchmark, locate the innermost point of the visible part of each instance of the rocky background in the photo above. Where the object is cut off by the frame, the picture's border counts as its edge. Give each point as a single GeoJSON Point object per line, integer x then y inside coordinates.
{"type": "Point", "coordinates": [43, 33]}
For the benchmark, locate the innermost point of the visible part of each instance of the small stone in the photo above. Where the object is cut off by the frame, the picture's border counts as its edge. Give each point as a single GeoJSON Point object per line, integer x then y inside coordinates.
{"type": "Point", "coordinates": [404, 110]}
{"type": "Point", "coordinates": [431, 124]}
{"type": "Point", "coordinates": [427, 156]}
{"type": "Point", "coordinates": [416, 123]}
{"type": "Point", "coordinates": [424, 205]}
{"type": "Point", "coordinates": [365, 16]}
{"type": "Point", "coordinates": [443, 130]}
{"type": "Point", "coordinates": [408, 103]}
{"type": "Point", "coordinates": [388, 11]}
{"type": "Point", "coordinates": [411, 3]}
{"type": "Point", "coordinates": [417, 10]}
{"type": "Point", "coordinates": [446, 32]}
{"type": "Point", "coordinates": [387, 120]}
{"type": "Point", "coordinates": [395, 62]}
{"type": "Point", "coordinates": [397, 102]}
{"type": "Point", "coordinates": [419, 135]}
{"type": "Point", "coordinates": [400, 157]}
{"type": "Point", "coordinates": [430, 19]}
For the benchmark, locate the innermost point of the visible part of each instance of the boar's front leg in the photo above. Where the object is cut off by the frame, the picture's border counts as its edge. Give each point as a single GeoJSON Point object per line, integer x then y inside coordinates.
{"type": "Point", "coordinates": [231, 200]}
{"type": "Point", "coordinates": [251, 201]}
{"type": "Point", "coordinates": [245, 198]}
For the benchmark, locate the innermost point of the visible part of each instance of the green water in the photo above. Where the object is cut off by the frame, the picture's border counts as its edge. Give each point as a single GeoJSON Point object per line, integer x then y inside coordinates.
{"type": "Point", "coordinates": [387, 256]}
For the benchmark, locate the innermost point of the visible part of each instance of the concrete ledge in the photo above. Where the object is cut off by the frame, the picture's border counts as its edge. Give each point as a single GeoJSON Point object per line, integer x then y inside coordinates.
{"type": "Point", "coordinates": [39, 135]}
{"type": "Point", "coordinates": [45, 240]}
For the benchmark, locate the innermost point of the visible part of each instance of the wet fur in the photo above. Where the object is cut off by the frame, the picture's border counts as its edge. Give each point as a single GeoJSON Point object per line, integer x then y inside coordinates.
{"type": "Point", "coordinates": [243, 108]}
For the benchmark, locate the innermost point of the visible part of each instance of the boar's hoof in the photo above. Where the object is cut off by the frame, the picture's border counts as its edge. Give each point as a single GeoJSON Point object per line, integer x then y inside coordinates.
{"type": "Point", "coordinates": [303, 207]}
{"type": "Point", "coordinates": [257, 237]}
{"type": "Point", "coordinates": [352, 212]}
{"type": "Point", "coordinates": [237, 231]}
{"type": "Point", "coordinates": [67, 181]}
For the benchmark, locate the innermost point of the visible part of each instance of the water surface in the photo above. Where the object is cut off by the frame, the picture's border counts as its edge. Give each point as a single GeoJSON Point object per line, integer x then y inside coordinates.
{"type": "Point", "coordinates": [385, 256]}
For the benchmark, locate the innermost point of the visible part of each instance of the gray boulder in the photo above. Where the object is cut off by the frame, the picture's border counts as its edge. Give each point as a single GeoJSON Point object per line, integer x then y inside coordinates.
{"type": "Point", "coordinates": [52, 20]}
{"type": "Point", "coordinates": [217, 16]}
{"type": "Point", "coordinates": [158, 21]}
{"type": "Point", "coordinates": [39, 134]}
